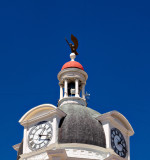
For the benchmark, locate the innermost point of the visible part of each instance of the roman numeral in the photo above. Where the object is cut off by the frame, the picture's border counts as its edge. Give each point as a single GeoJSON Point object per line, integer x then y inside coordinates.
{"type": "Point", "coordinates": [30, 139]}
{"type": "Point", "coordinates": [31, 143]}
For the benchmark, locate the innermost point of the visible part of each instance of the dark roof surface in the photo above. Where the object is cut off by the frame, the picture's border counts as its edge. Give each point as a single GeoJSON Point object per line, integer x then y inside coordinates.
{"type": "Point", "coordinates": [20, 150]}
{"type": "Point", "coordinates": [80, 126]}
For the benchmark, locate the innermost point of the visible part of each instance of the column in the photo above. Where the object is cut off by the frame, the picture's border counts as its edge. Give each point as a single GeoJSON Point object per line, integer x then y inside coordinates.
{"type": "Point", "coordinates": [83, 90]}
{"type": "Point", "coordinates": [76, 88]}
{"type": "Point", "coordinates": [66, 88]}
{"type": "Point", "coordinates": [61, 91]}
{"type": "Point", "coordinates": [25, 140]}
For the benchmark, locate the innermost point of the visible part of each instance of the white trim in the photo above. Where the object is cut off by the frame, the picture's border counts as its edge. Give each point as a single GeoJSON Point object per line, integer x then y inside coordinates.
{"type": "Point", "coordinates": [61, 91]}
{"type": "Point", "coordinates": [114, 157]}
{"type": "Point", "coordinates": [50, 110]}
{"type": "Point", "coordinates": [65, 88]}
{"type": "Point", "coordinates": [72, 73]}
{"type": "Point", "coordinates": [72, 69]}
{"type": "Point", "coordinates": [76, 87]}
{"type": "Point", "coordinates": [61, 153]}
{"type": "Point", "coordinates": [72, 100]}
{"type": "Point", "coordinates": [83, 90]}
{"type": "Point", "coordinates": [111, 116]}
{"type": "Point", "coordinates": [77, 146]}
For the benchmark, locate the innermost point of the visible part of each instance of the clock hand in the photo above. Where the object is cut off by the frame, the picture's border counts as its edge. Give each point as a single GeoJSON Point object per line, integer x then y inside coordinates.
{"type": "Point", "coordinates": [47, 136]}
{"type": "Point", "coordinates": [46, 139]}
{"type": "Point", "coordinates": [42, 135]}
{"type": "Point", "coordinates": [119, 143]}
{"type": "Point", "coordinates": [43, 129]}
{"type": "Point", "coordinates": [125, 149]}
{"type": "Point", "coordinates": [117, 138]}
{"type": "Point", "coordinates": [42, 132]}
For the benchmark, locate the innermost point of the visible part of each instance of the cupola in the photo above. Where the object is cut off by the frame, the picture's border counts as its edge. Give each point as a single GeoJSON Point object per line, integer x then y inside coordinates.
{"type": "Point", "coordinates": [72, 79]}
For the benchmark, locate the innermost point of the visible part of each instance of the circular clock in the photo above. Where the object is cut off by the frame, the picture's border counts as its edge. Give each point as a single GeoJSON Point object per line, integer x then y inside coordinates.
{"type": "Point", "coordinates": [118, 142]}
{"type": "Point", "coordinates": [40, 135]}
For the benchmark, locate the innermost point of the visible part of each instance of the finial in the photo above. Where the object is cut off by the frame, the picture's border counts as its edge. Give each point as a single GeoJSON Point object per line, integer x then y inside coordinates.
{"type": "Point", "coordinates": [75, 46]}
{"type": "Point", "coordinates": [72, 56]}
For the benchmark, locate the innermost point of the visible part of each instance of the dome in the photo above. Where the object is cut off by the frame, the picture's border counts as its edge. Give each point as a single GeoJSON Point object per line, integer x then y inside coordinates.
{"type": "Point", "coordinates": [80, 126]}
{"type": "Point", "coordinates": [72, 64]}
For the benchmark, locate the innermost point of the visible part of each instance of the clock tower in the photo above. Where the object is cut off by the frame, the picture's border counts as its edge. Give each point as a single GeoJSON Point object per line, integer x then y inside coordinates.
{"type": "Point", "coordinates": [71, 130]}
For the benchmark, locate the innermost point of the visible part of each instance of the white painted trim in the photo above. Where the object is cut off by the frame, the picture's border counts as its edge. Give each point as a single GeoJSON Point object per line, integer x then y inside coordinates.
{"type": "Point", "coordinates": [50, 110]}
{"type": "Point", "coordinates": [72, 70]}
{"type": "Point", "coordinates": [83, 90]}
{"type": "Point", "coordinates": [111, 116]}
{"type": "Point", "coordinates": [76, 87]}
{"type": "Point", "coordinates": [61, 91]}
{"type": "Point", "coordinates": [114, 157]}
{"type": "Point", "coordinates": [36, 108]}
{"type": "Point", "coordinates": [72, 100]}
{"type": "Point", "coordinates": [61, 153]}
{"type": "Point", "coordinates": [65, 88]}
{"type": "Point", "coordinates": [79, 146]}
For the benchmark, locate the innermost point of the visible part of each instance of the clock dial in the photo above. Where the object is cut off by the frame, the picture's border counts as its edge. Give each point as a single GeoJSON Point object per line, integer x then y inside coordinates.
{"type": "Point", "coordinates": [118, 142]}
{"type": "Point", "coordinates": [40, 135]}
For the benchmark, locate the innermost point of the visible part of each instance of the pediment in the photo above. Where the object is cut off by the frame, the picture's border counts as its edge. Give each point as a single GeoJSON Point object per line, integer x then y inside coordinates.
{"type": "Point", "coordinates": [118, 118]}
{"type": "Point", "coordinates": [39, 112]}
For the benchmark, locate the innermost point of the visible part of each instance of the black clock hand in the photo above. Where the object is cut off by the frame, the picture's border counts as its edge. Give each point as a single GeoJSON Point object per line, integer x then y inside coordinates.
{"type": "Point", "coordinates": [39, 134]}
{"type": "Point", "coordinates": [42, 132]}
{"type": "Point", "coordinates": [120, 143]}
{"type": "Point", "coordinates": [43, 129]}
{"type": "Point", "coordinates": [125, 149]}
{"type": "Point", "coordinates": [42, 135]}
{"type": "Point", "coordinates": [117, 138]}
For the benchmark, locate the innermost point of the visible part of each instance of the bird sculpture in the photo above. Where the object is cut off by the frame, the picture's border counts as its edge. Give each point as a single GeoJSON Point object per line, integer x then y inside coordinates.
{"type": "Point", "coordinates": [73, 46]}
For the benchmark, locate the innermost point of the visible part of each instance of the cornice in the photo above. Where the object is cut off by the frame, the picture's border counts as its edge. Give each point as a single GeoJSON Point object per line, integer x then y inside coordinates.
{"type": "Point", "coordinates": [72, 100]}
{"type": "Point", "coordinates": [111, 116]}
{"type": "Point", "coordinates": [114, 157]}
{"type": "Point", "coordinates": [63, 146]}
{"type": "Point", "coordinates": [72, 72]}
{"type": "Point", "coordinates": [25, 121]}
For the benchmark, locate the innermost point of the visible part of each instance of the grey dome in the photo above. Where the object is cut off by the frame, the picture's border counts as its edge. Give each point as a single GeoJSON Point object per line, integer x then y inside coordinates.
{"type": "Point", "coordinates": [80, 126]}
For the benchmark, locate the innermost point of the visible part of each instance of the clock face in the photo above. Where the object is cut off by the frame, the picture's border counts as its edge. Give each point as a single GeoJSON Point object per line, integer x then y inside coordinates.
{"type": "Point", "coordinates": [40, 135]}
{"type": "Point", "coordinates": [118, 142]}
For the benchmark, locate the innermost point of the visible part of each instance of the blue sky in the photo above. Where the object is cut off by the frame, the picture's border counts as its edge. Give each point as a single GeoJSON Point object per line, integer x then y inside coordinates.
{"type": "Point", "coordinates": [114, 38]}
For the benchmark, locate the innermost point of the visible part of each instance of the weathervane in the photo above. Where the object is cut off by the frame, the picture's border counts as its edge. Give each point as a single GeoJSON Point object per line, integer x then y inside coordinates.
{"type": "Point", "coordinates": [73, 46]}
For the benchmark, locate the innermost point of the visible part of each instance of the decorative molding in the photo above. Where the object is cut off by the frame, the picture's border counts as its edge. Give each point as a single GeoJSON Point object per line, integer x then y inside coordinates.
{"type": "Point", "coordinates": [42, 111]}
{"type": "Point", "coordinates": [86, 154]}
{"type": "Point", "coordinates": [114, 157]}
{"type": "Point", "coordinates": [42, 156]}
{"type": "Point", "coordinates": [74, 146]}
{"type": "Point", "coordinates": [72, 73]}
{"type": "Point", "coordinates": [61, 153]}
{"type": "Point", "coordinates": [111, 116]}
{"type": "Point", "coordinates": [72, 100]}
